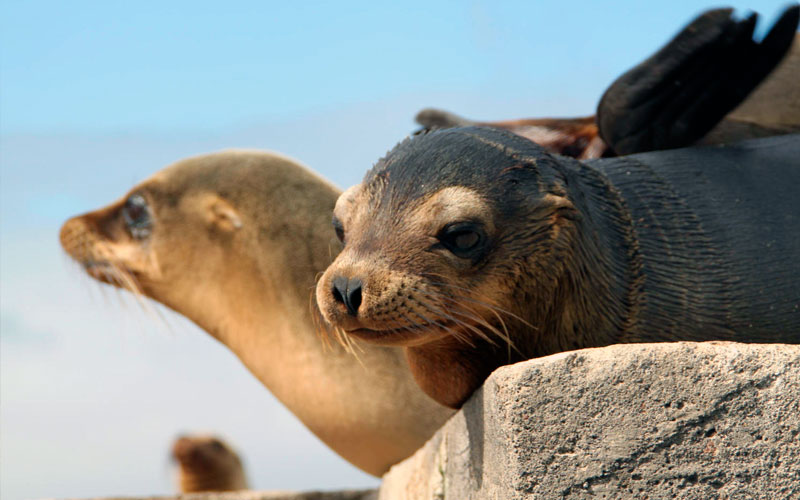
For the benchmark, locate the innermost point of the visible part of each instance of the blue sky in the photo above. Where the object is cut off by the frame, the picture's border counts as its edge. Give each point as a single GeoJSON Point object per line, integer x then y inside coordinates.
{"type": "Point", "coordinates": [100, 66]}
{"type": "Point", "coordinates": [96, 96]}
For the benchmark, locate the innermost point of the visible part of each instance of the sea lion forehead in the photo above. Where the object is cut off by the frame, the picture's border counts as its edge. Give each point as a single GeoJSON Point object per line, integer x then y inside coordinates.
{"type": "Point", "coordinates": [452, 203]}
{"type": "Point", "coordinates": [469, 156]}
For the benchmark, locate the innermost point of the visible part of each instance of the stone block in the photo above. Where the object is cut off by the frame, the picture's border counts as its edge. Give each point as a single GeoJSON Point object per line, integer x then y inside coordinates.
{"type": "Point", "coordinates": [673, 420]}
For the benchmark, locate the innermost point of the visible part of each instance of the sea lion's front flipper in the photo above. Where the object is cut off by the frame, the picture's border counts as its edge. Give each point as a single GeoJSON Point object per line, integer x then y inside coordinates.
{"type": "Point", "coordinates": [681, 92]}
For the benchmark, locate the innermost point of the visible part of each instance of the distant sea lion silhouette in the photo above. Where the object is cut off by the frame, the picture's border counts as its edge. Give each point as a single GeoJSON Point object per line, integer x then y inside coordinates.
{"type": "Point", "coordinates": [234, 241]}
{"type": "Point", "coordinates": [206, 463]}
{"type": "Point", "coordinates": [698, 88]}
{"type": "Point", "coordinates": [473, 247]}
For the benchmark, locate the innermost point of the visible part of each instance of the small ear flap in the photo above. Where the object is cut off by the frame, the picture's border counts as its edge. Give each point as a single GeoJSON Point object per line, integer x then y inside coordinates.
{"type": "Point", "coordinates": [220, 213]}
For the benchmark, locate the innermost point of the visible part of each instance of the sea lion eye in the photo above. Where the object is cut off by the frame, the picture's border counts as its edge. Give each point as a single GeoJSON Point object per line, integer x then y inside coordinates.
{"type": "Point", "coordinates": [137, 216]}
{"type": "Point", "coordinates": [339, 228]}
{"type": "Point", "coordinates": [464, 239]}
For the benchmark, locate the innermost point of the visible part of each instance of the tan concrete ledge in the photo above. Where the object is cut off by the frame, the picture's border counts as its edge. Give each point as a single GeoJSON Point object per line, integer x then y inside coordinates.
{"type": "Point", "coordinates": [264, 495]}
{"type": "Point", "coordinates": [681, 420]}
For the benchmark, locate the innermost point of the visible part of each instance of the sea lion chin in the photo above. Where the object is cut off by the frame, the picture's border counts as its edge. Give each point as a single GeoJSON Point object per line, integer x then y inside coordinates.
{"type": "Point", "coordinates": [472, 248]}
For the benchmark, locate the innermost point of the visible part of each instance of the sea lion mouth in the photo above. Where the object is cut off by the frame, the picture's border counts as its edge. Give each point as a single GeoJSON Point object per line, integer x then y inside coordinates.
{"type": "Point", "coordinates": [112, 273]}
{"type": "Point", "coordinates": [405, 335]}
{"type": "Point", "coordinates": [101, 270]}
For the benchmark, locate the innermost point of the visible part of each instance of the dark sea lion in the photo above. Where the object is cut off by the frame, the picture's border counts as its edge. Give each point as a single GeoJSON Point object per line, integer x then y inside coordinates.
{"type": "Point", "coordinates": [686, 93]}
{"type": "Point", "coordinates": [234, 241]}
{"type": "Point", "coordinates": [473, 248]}
{"type": "Point", "coordinates": [682, 92]}
{"type": "Point", "coordinates": [206, 463]}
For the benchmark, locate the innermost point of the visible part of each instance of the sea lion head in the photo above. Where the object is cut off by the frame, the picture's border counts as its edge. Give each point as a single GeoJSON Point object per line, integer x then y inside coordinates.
{"type": "Point", "coordinates": [207, 464]}
{"type": "Point", "coordinates": [445, 236]}
{"type": "Point", "coordinates": [193, 235]}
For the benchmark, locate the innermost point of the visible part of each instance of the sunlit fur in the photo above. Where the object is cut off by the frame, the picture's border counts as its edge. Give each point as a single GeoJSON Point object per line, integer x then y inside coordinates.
{"type": "Point", "coordinates": [237, 241]}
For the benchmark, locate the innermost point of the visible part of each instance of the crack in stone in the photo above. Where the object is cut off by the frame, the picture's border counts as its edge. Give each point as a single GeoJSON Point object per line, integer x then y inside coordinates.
{"type": "Point", "coordinates": [680, 433]}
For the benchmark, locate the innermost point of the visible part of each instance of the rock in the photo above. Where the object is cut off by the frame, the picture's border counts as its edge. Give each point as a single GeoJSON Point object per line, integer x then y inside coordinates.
{"type": "Point", "coordinates": [264, 495]}
{"type": "Point", "coordinates": [673, 420]}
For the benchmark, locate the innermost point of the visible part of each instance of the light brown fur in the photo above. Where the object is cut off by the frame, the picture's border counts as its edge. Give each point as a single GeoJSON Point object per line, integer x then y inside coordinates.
{"type": "Point", "coordinates": [238, 239]}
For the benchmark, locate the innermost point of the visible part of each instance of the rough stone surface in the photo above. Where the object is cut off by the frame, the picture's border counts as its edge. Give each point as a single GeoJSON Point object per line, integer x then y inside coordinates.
{"type": "Point", "coordinates": [683, 420]}
{"type": "Point", "coordinates": [265, 495]}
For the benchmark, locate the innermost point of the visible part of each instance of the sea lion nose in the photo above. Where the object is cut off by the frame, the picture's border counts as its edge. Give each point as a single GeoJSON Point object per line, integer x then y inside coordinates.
{"type": "Point", "coordinates": [348, 292]}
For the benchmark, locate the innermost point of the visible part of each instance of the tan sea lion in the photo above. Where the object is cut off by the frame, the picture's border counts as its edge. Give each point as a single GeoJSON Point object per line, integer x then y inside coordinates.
{"type": "Point", "coordinates": [471, 248]}
{"type": "Point", "coordinates": [206, 463]}
{"type": "Point", "coordinates": [697, 89]}
{"type": "Point", "coordinates": [234, 241]}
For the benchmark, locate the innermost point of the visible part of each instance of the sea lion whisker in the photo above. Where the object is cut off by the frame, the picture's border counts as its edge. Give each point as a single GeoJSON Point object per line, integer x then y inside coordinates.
{"type": "Point", "coordinates": [457, 307]}
{"type": "Point", "coordinates": [325, 331]}
{"type": "Point", "coordinates": [351, 345]}
{"type": "Point", "coordinates": [414, 326]}
{"type": "Point", "coordinates": [462, 311]}
{"type": "Point", "coordinates": [126, 280]}
{"type": "Point", "coordinates": [488, 305]}
{"type": "Point", "coordinates": [321, 327]}
{"type": "Point", "coordinates": [509, 342]}
{"type": "Point", "coordinates": [461, 336]}
{"type": "Point", "coordinates": [453, 332]}
{"type": "Point", "coordinates": [471, 314]}
{"type": "Point", "coordinates": [148, 310]}
{"type": "Point", "coordinates": [454, 319]}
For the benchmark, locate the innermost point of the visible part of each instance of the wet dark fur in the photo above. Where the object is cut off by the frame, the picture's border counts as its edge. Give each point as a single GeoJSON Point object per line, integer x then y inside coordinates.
{"type": "Point", "coordinates": [683, 91]}
{"type": "Point", "coordinates": [691, 244]}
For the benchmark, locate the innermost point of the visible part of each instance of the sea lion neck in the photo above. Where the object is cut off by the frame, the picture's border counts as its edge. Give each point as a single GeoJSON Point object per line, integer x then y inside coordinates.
{"type": "Point", "coordinates": [601, 285]}
{"type": "Point", "coordinates": [450, 371]}
{"type": "Point", "coordinates": [255, 279]}
{"type": "Point", "coordinates": [235, 242]}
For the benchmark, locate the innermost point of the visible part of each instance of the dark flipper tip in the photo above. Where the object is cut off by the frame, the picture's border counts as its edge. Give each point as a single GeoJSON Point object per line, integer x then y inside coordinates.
{"type": "Point", "coordinates": [679, 94]}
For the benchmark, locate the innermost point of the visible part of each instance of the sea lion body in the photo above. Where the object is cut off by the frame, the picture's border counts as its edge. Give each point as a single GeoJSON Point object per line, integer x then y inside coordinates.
{"type": "Point", "coordinates": [473, 248]}
{"type": "Point", "coordinates": [206, 463]}
{"type": "Point", "coordinates": [234, 241]}
{"type": "Point", "coordinates": [721, 226]}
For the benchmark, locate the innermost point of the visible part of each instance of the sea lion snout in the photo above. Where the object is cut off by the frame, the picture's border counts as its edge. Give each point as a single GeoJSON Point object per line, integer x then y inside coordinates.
{"type": "Point", "coordinates": [346, 295]}
{"type": "Point", "coordinates": [347, 291]}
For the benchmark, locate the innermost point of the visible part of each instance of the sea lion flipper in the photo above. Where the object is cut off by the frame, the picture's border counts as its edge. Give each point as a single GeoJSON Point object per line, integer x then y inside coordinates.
{"type": "Point", "coordinates": [681, 92]}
